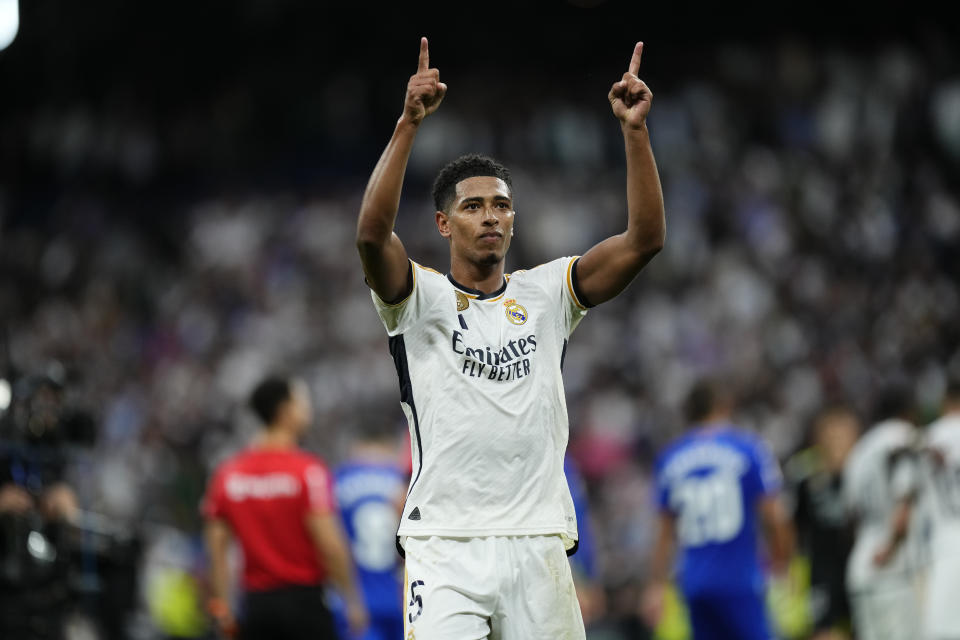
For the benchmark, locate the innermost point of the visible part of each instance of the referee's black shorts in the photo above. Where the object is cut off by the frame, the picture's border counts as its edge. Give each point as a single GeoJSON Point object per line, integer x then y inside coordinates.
{"type": "Point", "coordinates": [287, 613]}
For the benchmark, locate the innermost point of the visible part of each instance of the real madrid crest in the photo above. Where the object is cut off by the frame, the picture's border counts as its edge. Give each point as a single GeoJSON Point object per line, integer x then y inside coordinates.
{"type": "Point", "coordinates": [462, 301]}
{"type": "Point", "coordinates": [515, 311]}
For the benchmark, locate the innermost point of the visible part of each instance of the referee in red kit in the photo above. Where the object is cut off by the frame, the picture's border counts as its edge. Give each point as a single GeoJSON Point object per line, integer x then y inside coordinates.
{"type": "Point", "coordinates": [278, 501]}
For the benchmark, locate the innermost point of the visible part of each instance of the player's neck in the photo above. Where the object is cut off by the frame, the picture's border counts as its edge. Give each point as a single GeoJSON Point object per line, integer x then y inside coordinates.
{"type": "Point", "coordinates": [482, 277]}
{"type": "Point", "coordinates": [277, 438]}
{"type": "Point", "coordinates": [373, 452]}
{"type": "Point", "coordinates": [717, 418]}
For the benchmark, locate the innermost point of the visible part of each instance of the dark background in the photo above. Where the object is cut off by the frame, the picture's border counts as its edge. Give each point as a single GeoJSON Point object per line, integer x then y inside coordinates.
{"type": "Point", "coordinates": [179, 184]}
{"type": "Point", "coordinates": [266, 89]}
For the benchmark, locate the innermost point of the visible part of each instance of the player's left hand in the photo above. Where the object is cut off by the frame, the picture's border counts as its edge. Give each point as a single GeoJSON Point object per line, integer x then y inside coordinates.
{"type": "Point", "coordinates": [357, 618]}
{"type": "Point", "coordinates": [652, 604]}
{"type": "Point", "coordinates": [884, 555]}
{"type": "Point", "coordinates": [630, 98]}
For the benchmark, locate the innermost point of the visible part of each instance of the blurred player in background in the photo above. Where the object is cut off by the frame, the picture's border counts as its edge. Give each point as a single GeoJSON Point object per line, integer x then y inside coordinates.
{"type": "Point", "coordinates": [815, 477]}
{"type": "Point", "coordinates": [278, 501]}
{"type": "Point", "coordinates": [713, 484]}
{"type": "Point", "coordinates": [370, 488]}
{"type": "Point", "coordinates": [590, 593]}
{"type": "Point", "coordinates": [941, 490]}
{"type": "Point", "coordinates": [880, 487]}
{"type": "Point", "coordinates": [479, 353]}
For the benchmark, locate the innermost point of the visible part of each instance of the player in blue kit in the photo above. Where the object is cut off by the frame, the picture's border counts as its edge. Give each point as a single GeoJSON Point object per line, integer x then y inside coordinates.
{"type": "Point", "coordinates": [370, 487]}
{"type": "Point", "coordinates": [586, 574]}
{"type": "Point", "coordinates": [717, 487]}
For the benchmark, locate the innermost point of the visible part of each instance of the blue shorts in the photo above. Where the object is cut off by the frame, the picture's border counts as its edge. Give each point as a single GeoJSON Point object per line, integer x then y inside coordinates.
{"type": "Point", "coordinates": [729, 617]}
{"type": "Point", "coordinates": [385, 628]}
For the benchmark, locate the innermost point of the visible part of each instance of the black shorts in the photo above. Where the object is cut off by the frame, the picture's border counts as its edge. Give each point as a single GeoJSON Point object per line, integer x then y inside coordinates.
{"type": "Point", "coordinates": [288, 613]}
{"type": "Point", "coordinates": [830, 605]}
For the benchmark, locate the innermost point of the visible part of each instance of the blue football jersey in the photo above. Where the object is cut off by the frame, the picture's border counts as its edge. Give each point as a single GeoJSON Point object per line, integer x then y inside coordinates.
{"type": "Point", "coordinates": [711, 480]}
{"type": "Point", "coordinates": [367, 495]}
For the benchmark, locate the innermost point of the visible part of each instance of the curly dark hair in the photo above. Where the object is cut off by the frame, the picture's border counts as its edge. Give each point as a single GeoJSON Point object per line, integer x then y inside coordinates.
{"type": "Point", "coordinates": [268, 396]}
{"type": "Point", "coordinates": [953, 388]}
{"type": "Point", "coordinates": [468, 166]}
{"type": "Point", "coordinates": [706, 395]}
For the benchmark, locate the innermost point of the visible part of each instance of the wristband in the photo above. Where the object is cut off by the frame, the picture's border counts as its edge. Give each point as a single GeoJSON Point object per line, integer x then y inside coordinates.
{"type": "Point", "coordinates": [218, 607]}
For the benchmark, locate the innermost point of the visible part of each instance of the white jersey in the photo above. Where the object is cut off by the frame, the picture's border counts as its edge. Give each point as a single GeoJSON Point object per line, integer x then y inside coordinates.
{"type": "Point", "coordinates": [480, 385]}
{"type": "Point", "coordinates": [942, 497]}
{"type": "Point", "coordinates": [876, 477]}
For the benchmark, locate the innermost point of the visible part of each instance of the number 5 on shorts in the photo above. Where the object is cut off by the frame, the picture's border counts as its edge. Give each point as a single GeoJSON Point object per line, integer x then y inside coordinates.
{"type": "Point", "coordinates": [415, 601]}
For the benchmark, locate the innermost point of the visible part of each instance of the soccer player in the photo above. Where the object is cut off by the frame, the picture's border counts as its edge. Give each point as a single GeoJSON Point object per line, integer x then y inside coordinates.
{"type": "Point", "coordinates": [488, 515]}
{"type": "Point", "coordinates": [586, 575]}
{"type": "Point", "coordinates": [820, 515]}
{"type": "Point", "coordinates": [713, 485]}
{"type": "Point", "coordinates": [942, 488]}
{"type": "Point", "coordinates": [880, 487]}
{"type": "Point", "coordinates": [370, 488]}
{"type": "Point", "coordinates": [278, 501]}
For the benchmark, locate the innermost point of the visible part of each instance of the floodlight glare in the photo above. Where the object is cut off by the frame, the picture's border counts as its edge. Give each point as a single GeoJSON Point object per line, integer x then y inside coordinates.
{"type": "Point", "coordinates": [9, 22]}
{"type": "Point", "coordinates": [6, 394]}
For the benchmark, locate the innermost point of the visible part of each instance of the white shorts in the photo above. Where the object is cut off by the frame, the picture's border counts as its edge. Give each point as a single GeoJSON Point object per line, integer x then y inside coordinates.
{"type": "Point", "coordinates": [496, 588]}
{"type": "Point", "coordinates": [890, 610]}
{"type": "Point", "coordinates": [943, 598]}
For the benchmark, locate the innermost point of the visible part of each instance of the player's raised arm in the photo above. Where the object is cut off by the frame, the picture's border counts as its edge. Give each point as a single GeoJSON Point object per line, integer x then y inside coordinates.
{"type": "Point", "coordinates": [607, 268]}
{"type": "Point", "coordinates": [384, 258]}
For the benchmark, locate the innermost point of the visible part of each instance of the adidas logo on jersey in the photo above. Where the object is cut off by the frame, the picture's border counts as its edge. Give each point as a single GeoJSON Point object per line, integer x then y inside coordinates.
{"type": "Point", "coordinates": [415, 514]}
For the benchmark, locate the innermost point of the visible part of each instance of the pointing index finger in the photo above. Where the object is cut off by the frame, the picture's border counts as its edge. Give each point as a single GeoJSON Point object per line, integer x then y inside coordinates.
{"type": "Point", "coordinates": [424, 56]}
{"type": "Point", "coordinates": [635, 60]}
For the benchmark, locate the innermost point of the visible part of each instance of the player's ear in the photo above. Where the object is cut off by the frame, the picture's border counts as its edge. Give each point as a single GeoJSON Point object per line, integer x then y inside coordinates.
{"type": "Point", "coordinates": [443, 223]}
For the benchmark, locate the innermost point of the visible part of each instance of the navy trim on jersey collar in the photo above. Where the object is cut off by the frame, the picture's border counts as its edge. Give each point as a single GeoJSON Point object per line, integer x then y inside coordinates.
{"type": "Point", "coordinates": [476, 292]}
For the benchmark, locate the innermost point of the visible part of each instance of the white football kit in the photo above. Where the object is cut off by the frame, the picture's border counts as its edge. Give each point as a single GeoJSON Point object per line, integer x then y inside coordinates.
{"type": "Point", "coordinates": [941, 484]}
{"type": "Point", "coordinates": [877, 475]}
{"type": "Point", "coordinates": [481, 386]}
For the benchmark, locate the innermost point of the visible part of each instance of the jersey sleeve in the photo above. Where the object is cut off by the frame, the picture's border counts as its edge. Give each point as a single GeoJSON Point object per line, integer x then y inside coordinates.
{"type": "Point", "coordinates": [213, 505]}
{"type": "Point", "coordinates": [764, 477]}
{"type": "Point", "coordinates": [319, 492]}
{"type": "Point", "coordinates": [559, 279]}
{"type": "Point", "coordinates": [661, 488]}
{"type": "Point", "coordinates": [574, 307]}
{"type": "Point", "coordinates": [399, 317]}
{"type": "Point", "coordinates": [904, 474]}
{"type": "Point", "coordinates": [851, 484]}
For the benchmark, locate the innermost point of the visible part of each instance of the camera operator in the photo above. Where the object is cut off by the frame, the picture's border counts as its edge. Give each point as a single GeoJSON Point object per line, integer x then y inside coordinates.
{"type": "Point", "coordinates": [37, 510]}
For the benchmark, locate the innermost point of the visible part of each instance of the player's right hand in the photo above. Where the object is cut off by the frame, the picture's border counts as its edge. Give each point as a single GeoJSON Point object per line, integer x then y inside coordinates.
{"type": "Point", "coordinates": [357, 618]}
{"type": "Point", "coordinates": [15, 499]}
{"type": "Point", "coordinates": [223, 619]}
{"type": "Point", "coordinates": [424, 91]}
{"type": "Point", "coordinates": [652, 603]}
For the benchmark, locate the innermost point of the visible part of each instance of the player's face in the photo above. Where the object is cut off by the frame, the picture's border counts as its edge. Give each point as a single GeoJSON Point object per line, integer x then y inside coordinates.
{"type": "Point", "coordinates": [479, 223]}
{"type": "Point", "coordinates": [301, 409]}
{"type": "Point", "coordinates": [836, 436]}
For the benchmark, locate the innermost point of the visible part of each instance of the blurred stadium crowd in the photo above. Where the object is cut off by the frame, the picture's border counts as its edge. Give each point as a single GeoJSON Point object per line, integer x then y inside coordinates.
{"type": "Point", "coordinates": [812, 256]}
